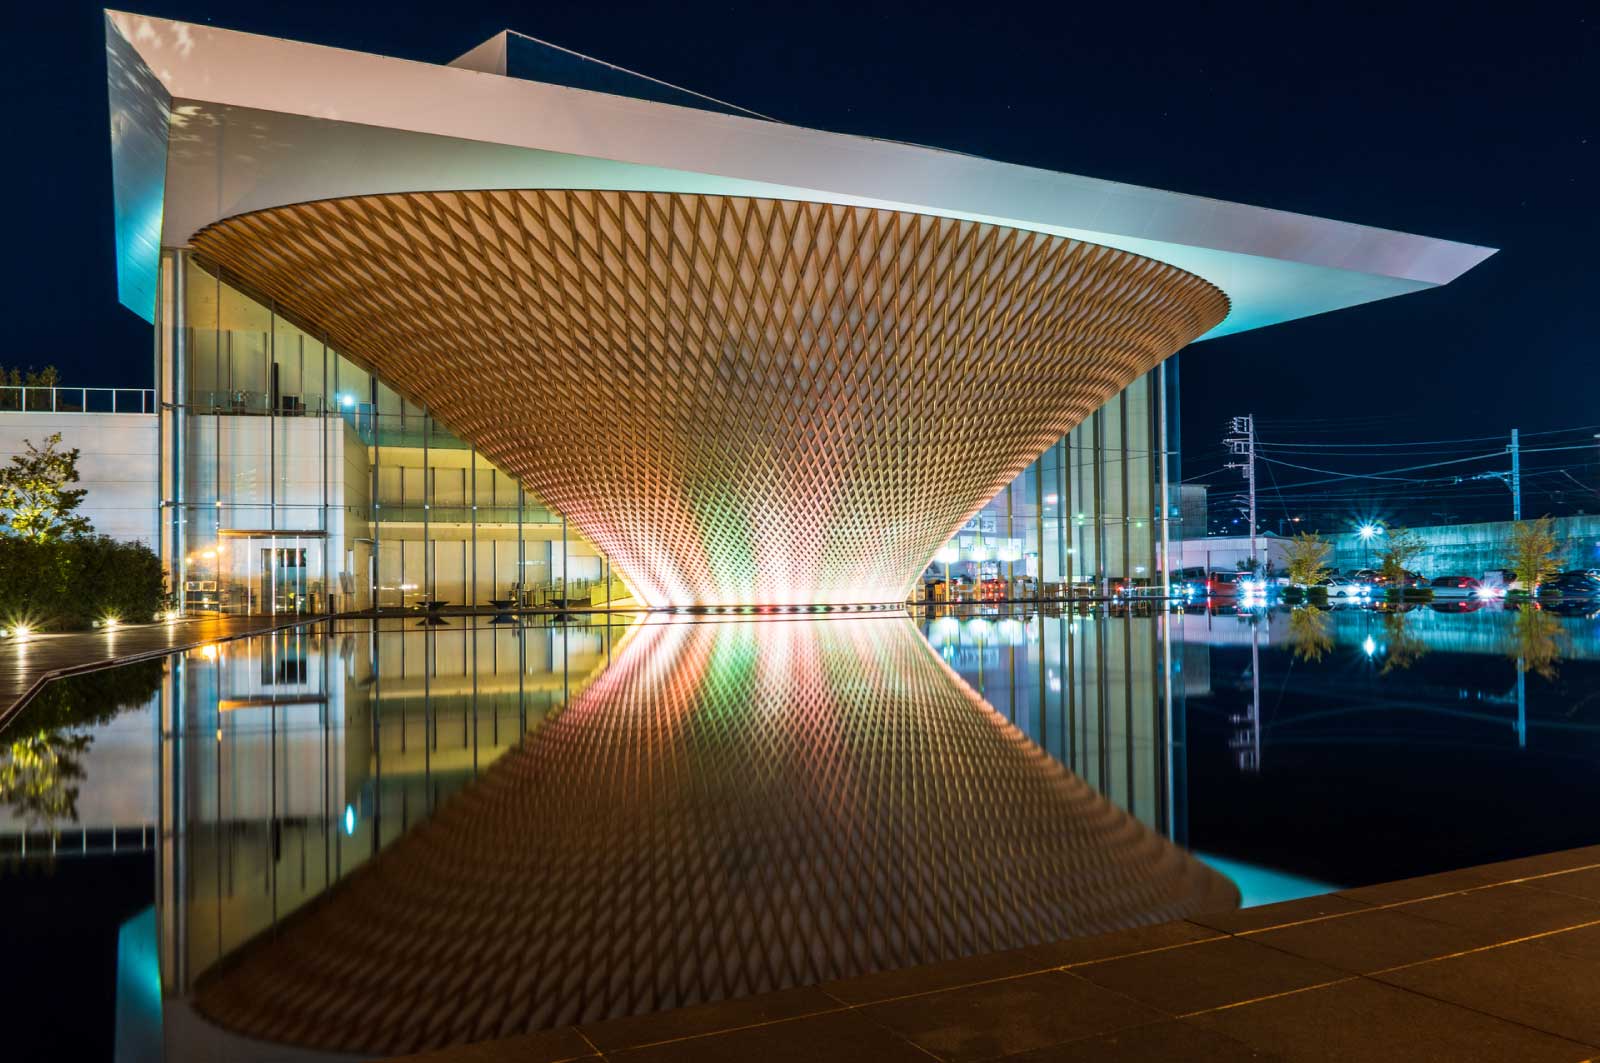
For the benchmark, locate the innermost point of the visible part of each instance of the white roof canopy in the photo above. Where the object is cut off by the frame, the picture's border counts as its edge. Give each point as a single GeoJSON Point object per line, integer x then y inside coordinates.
{"type": "Point", "coordinates": [209, 123]}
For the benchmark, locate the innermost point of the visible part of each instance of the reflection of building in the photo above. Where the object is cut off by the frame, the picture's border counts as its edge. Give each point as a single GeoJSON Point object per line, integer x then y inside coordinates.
{"type": "Point", "coordinates": [746, 361]}
{"type": "Point", "coordinates": [1103, 693]}
{"type": "Point", "coordinates": [296, 757]}
{"type": "Point", "coordinates": [700, 824]}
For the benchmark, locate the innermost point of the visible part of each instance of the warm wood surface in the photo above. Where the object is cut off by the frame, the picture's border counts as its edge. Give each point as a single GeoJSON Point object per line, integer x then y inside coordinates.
{"type": "Point", "coordinates": [737, 400]}
{"type": "Point", "coordinates": [701, 824]}
{"type": "Point", "coordinates": [1486, 965]}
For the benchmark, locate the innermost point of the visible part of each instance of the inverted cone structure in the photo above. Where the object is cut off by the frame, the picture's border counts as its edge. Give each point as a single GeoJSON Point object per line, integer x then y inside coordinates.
{"type": "Point", "coordinates": [730, 808]}
{"type": "Point", "coordinates": [739, 400]}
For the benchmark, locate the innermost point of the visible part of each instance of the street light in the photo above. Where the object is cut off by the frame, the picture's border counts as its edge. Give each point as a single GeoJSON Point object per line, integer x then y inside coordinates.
{"type": "Point", "coordinates": [1368, 532]}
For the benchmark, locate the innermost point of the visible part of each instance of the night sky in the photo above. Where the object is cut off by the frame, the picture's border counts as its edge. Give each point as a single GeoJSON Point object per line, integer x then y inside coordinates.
{"type": "Point", "coordinates": [1471, 122]}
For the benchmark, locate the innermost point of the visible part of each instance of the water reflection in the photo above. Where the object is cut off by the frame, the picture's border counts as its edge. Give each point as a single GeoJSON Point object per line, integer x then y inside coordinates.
{"type": "Point", "coordinates": [572, 820]}
{"type": "Point", "coordinates": [44, 751]}
{"type": "Point", "coordinates": [1537, 642]}
{"type": "Point", "coordinates": [730, 808]}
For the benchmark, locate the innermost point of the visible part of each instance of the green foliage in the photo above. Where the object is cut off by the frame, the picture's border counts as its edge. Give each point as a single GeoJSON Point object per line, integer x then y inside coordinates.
{"type": "Point", "coordinates": [36, 497]}
{"type": "Point", "coordinates": [1400, 548]}
{"type": "Point", "coordinates": [1533, 553]}
{"type": "Point", "coordinates": [1306, 555]}
{"type": "Point", "coordinates": [13, 379]}
{"type": "Point", "coordinates": [69, 584]}
{"type": "Point", "coordinates": [41, 754]}
{"type": "Point", "coordinates": [39, 774]}
{"type": "Point", "coordinates": [1402, 647]}
{"type": "Point", "coordinates": [1309, 635]}
{"type": "Point", "coordinates": [1537, 642]}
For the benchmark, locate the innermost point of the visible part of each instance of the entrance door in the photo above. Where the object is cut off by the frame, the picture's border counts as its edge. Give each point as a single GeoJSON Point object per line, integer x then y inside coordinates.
{"type": "Point", "coordinates": [282, 583]}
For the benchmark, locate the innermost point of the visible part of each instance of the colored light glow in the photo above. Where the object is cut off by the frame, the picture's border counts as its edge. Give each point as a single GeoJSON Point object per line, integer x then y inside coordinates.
{"type": "Point", "coordinates": [1369, 646]}
{"type": "Point", "coordinates": [349, 820]}
{"type": "Point", "coordinates": [948, 555]}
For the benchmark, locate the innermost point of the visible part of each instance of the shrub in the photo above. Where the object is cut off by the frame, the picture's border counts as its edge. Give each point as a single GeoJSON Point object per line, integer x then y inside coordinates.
{"type": "Point", "coordinates": [68, 584]}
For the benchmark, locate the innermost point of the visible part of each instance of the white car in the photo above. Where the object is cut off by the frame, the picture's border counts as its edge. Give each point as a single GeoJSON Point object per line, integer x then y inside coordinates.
{"type": "Point", "coordinates": [1347, 589]}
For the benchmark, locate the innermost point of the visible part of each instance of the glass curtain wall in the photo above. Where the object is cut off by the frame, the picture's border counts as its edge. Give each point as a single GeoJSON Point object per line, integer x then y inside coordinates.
{"type": "Point", "coordinates": [290, 760]}
{"type": "Point", "coordinates": [293, 481]}
{"type": "Point", "coordinates": [1087, 518]}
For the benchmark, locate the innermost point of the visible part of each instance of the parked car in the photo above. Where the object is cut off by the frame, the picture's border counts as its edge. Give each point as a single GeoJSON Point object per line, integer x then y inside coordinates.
{"type": "Point", "coordinates": [1224, 584]}
{"type": "Point", "coordinates": [1579, 583]}
{"type": "Point", "coordinates": [1447, 587]}
{"type": "Point", "coordinates": [1409, 581]}
{"type": "Point", "coordinates": [1346, 588]}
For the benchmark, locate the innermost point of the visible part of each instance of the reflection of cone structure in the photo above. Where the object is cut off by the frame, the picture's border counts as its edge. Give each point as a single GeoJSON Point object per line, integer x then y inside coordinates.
{"type": "Point", "coordinates": [730, 809]}
{"type": "Point", "coordinates": [738, 400]}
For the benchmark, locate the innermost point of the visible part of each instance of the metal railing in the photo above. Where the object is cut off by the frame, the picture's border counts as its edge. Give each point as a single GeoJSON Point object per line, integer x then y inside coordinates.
{"type": "Point", "coordinates": [24, 399]}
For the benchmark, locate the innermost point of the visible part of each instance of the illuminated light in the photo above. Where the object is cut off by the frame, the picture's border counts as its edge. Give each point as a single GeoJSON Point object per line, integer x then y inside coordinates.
{"type": "Point", "coordinates": [219, 734]}
{"type": "Point", "coordinates": [1051, 500]}
{"type": "Point", "coordinates": [21, 632]}
{"type": "Point", "coordinates": [948, 555]}
{"type": "Point", "coordinates": [1369, 531]}
{"type": "Point", "coordinates": [209, 651]}
{"type": "Point", "coordinates": [349, 820]}
{"type": "Point", "coordinates": [347, 401]}
{"type": "Point", "coordinates": [1369, 646]}
{"type": "Point", "coordinates": [978, 552]}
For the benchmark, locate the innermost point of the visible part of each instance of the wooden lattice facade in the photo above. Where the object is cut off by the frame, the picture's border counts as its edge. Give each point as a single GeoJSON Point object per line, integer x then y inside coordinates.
{"type": "Point", "coordinates": [739, 400]}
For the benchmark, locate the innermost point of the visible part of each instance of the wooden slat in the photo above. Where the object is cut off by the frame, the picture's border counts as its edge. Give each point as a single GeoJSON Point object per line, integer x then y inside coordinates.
{"type": "Point", "coordinates": [738, 400]}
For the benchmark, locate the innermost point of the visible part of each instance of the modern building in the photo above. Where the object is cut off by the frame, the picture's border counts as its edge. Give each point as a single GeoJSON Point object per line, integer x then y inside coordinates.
{"type": "Point", "coordinates": [527, 324]}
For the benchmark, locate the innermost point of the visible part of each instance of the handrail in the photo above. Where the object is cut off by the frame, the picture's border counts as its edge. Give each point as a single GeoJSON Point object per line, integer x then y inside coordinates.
{"type": "Point", "coordinates": [24, 398]}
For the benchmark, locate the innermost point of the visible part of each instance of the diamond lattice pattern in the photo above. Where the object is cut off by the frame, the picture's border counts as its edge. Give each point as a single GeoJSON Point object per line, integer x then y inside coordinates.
{"type": "Point", "coordinates": [739, 400]}
{"type": "Point", "coordinates": [728, 809]}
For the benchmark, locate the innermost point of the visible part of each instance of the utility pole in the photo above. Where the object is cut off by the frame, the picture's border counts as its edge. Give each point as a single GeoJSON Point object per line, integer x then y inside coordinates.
{"type": "Point", "coordinates": [1242, 443]}
{"type": "Point", "coordinates": [1516, 478]}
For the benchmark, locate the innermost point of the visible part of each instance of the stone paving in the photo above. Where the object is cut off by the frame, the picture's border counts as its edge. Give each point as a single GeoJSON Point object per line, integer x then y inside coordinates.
{"type": "Point", "coordinates": [1499, 962]}
{"type": "Point", "coordinates": [29, 663]}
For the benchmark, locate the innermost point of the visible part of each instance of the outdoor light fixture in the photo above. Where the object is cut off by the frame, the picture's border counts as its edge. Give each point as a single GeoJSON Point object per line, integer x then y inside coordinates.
{"type": "Point", "coordinates": [347, 401]}
{"type": "Point", "coordinates": [1367, 531]}
{"type": "Point", "coordinates": [948, 555]}
{"type": "Point", "coordinates": [1369, 646]}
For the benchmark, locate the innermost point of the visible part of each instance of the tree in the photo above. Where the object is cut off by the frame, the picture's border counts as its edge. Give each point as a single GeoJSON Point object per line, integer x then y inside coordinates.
{"type": "Point", "coordinates": [1537, 641]}
{"type": "Point", "coordinates": [1401, 547]}
{"type": "Point", "coordinates": [1309, 635]}
{"type": "Point", "coordinates": [1402, 647]}
{"type": "Point", "coordinates": [13, 380]}
{"type": "Point", "coordinates": [1533, 553]}
{"type": "Point", "coordinates": [1306, 556]}
{"type": "Point", "coordinates": [35, 498]}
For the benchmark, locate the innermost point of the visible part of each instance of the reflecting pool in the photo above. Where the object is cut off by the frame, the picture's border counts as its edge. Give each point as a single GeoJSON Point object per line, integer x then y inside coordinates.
{"type": "Point", "coordinates": [382, 836]}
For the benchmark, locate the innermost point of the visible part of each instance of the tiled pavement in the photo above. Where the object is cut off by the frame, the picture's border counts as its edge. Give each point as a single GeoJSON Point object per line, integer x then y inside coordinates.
{"type": "Point", "coordinates": [27, 664]}
{"type": "Point", "coordinates": [1500, 962]}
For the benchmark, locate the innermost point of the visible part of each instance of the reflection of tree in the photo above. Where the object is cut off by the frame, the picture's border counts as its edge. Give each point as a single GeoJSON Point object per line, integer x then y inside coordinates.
{"type": "Point", "coordinates": [1309, 635]}
{"type": "Point", "coordinates": [41, 752]}
{"type": "Point", "coordinates": [1402, 648]}
{"type": "Point", "coordinates": [39, 774]}
{"type": "Point", "coordinates": [1537, 639]}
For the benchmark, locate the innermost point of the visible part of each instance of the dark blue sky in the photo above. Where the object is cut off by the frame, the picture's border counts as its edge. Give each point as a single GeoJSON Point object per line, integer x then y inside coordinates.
{"type": "Point", "coordinates": [1476, 122]}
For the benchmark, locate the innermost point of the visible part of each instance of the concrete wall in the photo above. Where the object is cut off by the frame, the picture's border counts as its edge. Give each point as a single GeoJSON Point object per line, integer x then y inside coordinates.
{"type": "Point", "coordinates": [1473, 549]}
{"type": "Point", "coordinates": [1222, 553]}
{"type": "Point", "coordinates": [117, 465]}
